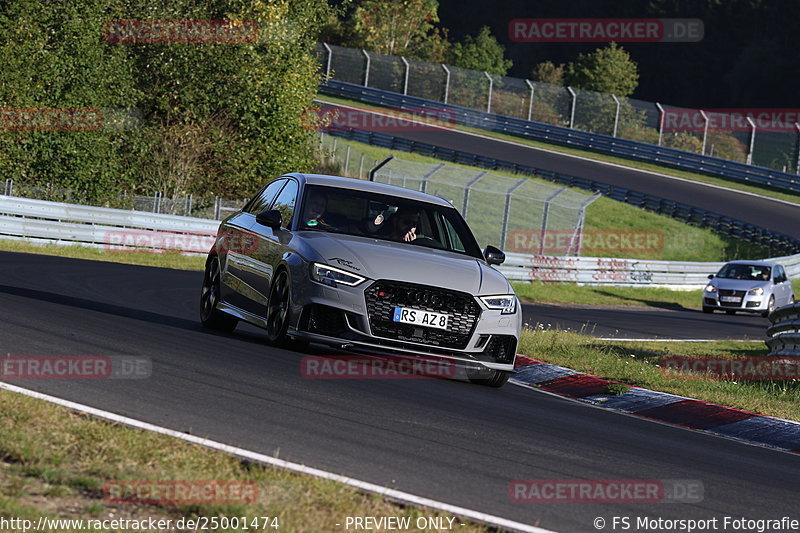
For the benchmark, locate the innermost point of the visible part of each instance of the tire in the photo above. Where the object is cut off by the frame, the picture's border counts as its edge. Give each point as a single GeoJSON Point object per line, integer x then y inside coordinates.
{"type": "Point", "coordinates": [730, 311]}
{"type": "Point", "coordinates": [488, 378]}
{"type": "Point", "coordinates": [278, 309]}
{"type": "Point", "coordinates": [791, 300]}
{"type": "Point", "coordinates": [708, 309]}
{"type": "Point", "coordinates": [770, 306]}
{"type": "Point", "coordinates": [210, 316]}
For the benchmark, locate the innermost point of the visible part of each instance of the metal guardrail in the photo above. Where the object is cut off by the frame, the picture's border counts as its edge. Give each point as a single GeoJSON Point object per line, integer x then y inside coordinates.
{"type": "Point", "coordinates": [777, 242]}
{"type": "Point", "coordinates": [114, 229]}
{"type": "Point", "coordinates": [596, 142]}
{"type": "Point", "coordinates": [784, 333]}
{"type": "Point", "coordinates": [621, 272]}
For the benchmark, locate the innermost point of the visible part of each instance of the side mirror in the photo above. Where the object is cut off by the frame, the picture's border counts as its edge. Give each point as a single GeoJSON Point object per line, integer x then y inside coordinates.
{"type": "Point", "coordinates": [711, 276]}
{"type": "Point", "coordinates": [271, 219]}
{"type": "Point", "coordinates": [494, 256]}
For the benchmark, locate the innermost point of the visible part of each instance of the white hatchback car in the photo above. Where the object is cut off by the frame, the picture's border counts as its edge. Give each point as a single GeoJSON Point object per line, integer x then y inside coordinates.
{"type": "Point", "coordinates": [749, 286]}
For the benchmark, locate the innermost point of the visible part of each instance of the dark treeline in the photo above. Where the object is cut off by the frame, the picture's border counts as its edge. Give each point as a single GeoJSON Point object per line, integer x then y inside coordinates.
{"type": "Point", "coordinates": [749, 56]}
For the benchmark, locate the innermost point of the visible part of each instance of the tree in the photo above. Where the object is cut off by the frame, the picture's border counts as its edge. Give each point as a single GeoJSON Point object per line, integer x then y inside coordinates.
{"type": "Point", "coordinates": [397, 27]}
{"type": "Point", "coordinates": [482, 53]}
{"type": "Point", "coordinates": [606, 70]}
{"type": "Point", "coordinates": [548, 72]}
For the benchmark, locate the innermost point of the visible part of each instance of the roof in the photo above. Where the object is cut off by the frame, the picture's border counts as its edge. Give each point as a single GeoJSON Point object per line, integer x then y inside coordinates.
{"type": "Point", "coordinates": [754, 263]}
{"type": "Point", "coordinates": [371, 186]}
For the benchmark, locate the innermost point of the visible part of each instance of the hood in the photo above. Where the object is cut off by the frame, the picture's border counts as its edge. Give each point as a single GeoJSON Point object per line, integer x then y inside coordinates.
{"type": "Point", "coordinates": [378, 259]}
{"type": "Point", "coordinates": [738, 284]}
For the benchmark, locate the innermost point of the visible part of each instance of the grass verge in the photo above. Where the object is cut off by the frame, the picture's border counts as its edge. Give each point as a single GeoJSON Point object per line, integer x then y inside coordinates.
{"type": "Point", "coordinates": [55, 463]}
{"type": "Point", "coordinates": [637, 364]}
{"type": "Point", "coordinates": [693, 176]}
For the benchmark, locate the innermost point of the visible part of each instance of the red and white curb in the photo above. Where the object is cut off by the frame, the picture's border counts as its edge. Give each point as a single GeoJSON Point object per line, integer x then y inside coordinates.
{"type": "Point", "coordinates": [668, 408]}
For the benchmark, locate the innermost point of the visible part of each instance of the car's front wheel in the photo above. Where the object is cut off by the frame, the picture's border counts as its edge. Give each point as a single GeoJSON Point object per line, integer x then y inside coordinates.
{"type": "Point", "coordinates": [278, 308]}
{"type": "Point", "coordinates": [708, 309]}
{"type": "Point", "coordinates": [490, 378]}
{"type": "Point", "coordinates": [210, 316]}
{"type": "Point", "coordinates": [770, 306]}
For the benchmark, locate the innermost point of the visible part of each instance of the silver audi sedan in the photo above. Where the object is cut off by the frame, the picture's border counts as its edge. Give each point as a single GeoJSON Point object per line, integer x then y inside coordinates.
{"type": "Point", "coordinates": [363, 265]}
{"type": "Point", "coordinates": [748, 286]}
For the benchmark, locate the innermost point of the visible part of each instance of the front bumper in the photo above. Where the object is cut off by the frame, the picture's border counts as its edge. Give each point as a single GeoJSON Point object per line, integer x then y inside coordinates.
{"type": "Point", "coordinates": [345, 316]}
{"type": "Point", "coordinates": [754, 303]}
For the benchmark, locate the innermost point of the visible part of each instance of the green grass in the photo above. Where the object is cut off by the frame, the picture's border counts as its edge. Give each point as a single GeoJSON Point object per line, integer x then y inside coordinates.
{"type": "Point", "coordinates": [55, 463]}
{"type": "Point", "coordinates": [167, 259]}
{"type": "Point", "coordinates": [637, 364]}
{"type": "Point", "coordinates": [571, 293]}
{"type": "Point", "coordinates": [673, 240]}
{"type": "Point", "coordinates": [693, 176]}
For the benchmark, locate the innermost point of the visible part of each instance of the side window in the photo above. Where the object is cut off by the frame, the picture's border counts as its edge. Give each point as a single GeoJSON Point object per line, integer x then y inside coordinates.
{"type": "Point", "coordinates": [285, 202]}
{"type": "Point", "coordinates": [781, 273]}
{"type": "Point", "coordinates": [263, 199]}
{"type": "Point", "coordinates": [452, 236]}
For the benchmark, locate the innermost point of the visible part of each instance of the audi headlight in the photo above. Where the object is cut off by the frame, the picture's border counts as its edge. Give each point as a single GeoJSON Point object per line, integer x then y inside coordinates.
{"type": "Point", "coordinates": [711, 288]}
{"type": "Point", "coordinates": [757, 291]}
{"type": "Point", "coordinates": [331, 276]}
{"type": "Point", "coordinates": [506, 303]}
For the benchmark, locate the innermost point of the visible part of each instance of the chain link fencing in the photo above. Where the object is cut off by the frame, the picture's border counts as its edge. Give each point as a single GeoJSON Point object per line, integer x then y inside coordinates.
{"type": "Point", "coordinates": [768, 138]}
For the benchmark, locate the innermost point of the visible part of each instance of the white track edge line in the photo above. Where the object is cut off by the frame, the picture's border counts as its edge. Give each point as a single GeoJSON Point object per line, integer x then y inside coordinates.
{"type": "Point", "coordinates": [280, 463]}
{"type": "Point", "coordinates": [676, 340]}
{"type": "Point", "coordinates": [582, 158]}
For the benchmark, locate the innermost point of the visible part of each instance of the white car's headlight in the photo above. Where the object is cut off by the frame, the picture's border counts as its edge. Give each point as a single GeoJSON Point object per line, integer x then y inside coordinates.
{"type": "Point", "coordinates": [507, 303]}
{"type": "Point", "coordinates": [757, 291]}
{"type": "Point", "coordinates": [332, 276]}
{"type": "Point", "coordinates": [711, 288]}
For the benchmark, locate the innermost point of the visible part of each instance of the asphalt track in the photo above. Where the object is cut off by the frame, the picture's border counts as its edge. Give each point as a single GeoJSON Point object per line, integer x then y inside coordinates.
{"type": "Point", "coordinates": [764, 212]}
{"type": "Point", "coordinates": [443, 439]}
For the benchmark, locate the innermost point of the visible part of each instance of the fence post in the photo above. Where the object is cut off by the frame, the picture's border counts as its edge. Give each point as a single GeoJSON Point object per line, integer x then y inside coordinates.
{"type": "Point", "coordinates": [530, 102]}
{"type": "Point", "coordinates": [572, 109]}
{"type": "Point", "coordinates": [9, 186]}
{"type": "Point", "coordinates": [330, 56]}
{"type": "Point", "coordinates": [157, 202]}
{"type": "Point", "coordinates": [347, 160]}
{"type": "Point", "coordinates": [377, 167]}
{"type": "Point", "coordinates": [797, 164]}
{"type": "Point", "coordinates": [366, 73]}
{"type": "Point", "coordinates": [424, 185]}
{"type": "Point", "coordinates": [217, 207]}
{"type": "Point", "coordinates": [361, 167]}
{"type": "Point", "coordinates": [545, 216]}
{"type": "Point", "coordinates": [405, 81]}
{"type": "Point", "coordinates": [705, 131]}
{"type": "Point", "coordinates": [446, 82]}
{"type": "Point", "coordinates": [752, 141]}
{"type": "Point", "coordinates": [188, 207]}
{"type": "Point", "coordinates": [616, 114]}
{"type": "Point", "coordinates": [578, 233]}
{"type": "Point", "coordinates": [491, 85]}
{"type": "Point", "coordinates": [508, 209]}
{"type": "Point", "coordinates": [660, 122]}
{"type": "Point", "coordinates": [467, 188]}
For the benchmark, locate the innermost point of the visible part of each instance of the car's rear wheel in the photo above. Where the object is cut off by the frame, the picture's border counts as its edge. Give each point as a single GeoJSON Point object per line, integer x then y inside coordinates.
{"type": "Point", "coordinates": [489, 378]}
{"type": "Point", "coordinates": [770, 306]}
{"type": "Point", "coordinates": [278, 308]}
{"type": "Point", "coordinates": [210, 316]}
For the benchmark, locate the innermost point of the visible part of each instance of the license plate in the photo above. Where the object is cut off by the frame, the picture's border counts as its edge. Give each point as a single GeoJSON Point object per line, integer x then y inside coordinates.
{"type": "Point", "coordinates": [418, 317]}
{"type": "Point", "coordinates": [730, 299]}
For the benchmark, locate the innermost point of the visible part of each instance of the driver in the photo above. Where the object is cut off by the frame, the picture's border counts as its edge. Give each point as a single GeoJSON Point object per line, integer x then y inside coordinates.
{"type": "Point", "coordinates": [314, 211]}
{"type": "Point", "coordinates": [404, 225]}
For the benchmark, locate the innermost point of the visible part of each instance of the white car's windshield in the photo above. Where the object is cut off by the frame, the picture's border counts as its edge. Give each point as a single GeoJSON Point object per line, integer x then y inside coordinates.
{"type": "Point", "coordinates": [384, 217]}
{"type": "Point", "coordinates": [748, 272]}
